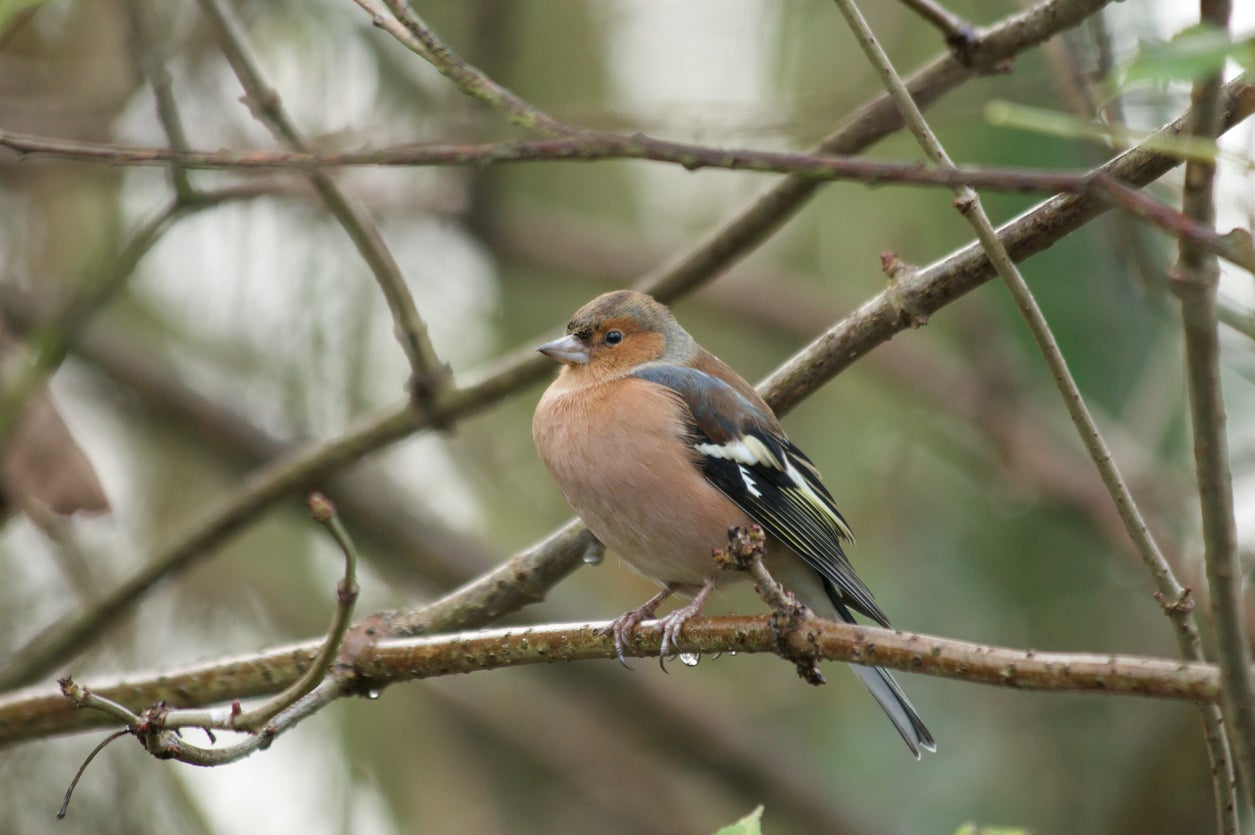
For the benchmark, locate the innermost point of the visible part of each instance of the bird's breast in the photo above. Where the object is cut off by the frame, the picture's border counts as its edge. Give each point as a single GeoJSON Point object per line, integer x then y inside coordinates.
{"type": "Point", "coordinates": [620, 456]}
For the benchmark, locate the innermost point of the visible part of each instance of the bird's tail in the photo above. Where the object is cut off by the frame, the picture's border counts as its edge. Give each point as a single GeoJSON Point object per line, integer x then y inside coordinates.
{"type": "Point", "coordinates": [824, 600]}
{"type": "Point", "coordinates": [895, 704]}
{"type": "Point", "coordinates": [891, 699]}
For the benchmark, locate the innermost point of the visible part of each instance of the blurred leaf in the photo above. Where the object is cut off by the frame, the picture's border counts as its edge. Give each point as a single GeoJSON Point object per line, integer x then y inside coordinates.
{"type": "Point", "coordinates": [751, 824]}
{"type": "Point", "coordinates": [1054, 123]}
{"type": "Point", "coordinates": [973, 829]}
{"type": "Point", "coordinates": [10, 9]}
{"type": "Point", "coordinates": [1194, 53]}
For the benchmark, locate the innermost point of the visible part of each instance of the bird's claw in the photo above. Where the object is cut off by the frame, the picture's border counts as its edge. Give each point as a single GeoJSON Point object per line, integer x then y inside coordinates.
{"type": "Point", "coordinates": [672, 625]}
{"type": "Point", "coordinates": [621, 629]}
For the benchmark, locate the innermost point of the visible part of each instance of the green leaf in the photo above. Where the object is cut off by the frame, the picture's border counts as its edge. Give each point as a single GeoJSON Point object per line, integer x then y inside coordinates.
{"type": "Point", "coordinates": [751, 824]}
{"type": "Point", "coordinates": [1054, 123]}
{"type": "Point", "coordinates": [1195, 53]}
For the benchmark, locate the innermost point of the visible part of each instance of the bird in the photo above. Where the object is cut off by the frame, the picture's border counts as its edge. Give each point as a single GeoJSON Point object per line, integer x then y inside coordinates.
{"type": "Point", "coordinates": [661, 448]}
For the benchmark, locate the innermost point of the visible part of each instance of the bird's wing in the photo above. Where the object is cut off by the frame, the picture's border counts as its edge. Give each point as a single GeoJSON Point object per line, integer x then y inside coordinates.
{"type": "Point", "coordinates": [742, 454]}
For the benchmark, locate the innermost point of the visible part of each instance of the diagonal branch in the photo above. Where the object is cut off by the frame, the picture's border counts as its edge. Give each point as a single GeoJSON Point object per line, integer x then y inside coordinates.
{"type": "Point", "coordinates": [428, 373]}
{"type": "Point", "coordinates": [410, 30]}
{"type": "Point", "coordinates": [991, 51]}
{"type": "Point", "coordinates": [931, 288]}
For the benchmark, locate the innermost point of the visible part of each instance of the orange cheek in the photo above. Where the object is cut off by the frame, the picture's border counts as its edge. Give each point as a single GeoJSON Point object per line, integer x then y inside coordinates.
{"type": "Point", "coordinates": [637, 348]}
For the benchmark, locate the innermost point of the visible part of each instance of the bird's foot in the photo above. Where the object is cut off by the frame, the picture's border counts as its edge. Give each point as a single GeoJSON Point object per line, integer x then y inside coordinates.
{"type": "Point", "coordinates": [621, 628]}
{"type": "Point", "coordinates": [674, 621]}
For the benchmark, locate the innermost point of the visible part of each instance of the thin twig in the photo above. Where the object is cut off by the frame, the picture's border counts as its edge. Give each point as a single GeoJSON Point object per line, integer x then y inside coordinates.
{"type": "Point", "coordinates": [429, 375]}
{"type": "Point", "coordinates": [1235, 246]}
{"type": "Point", "coordinates": [150, 61]}
{"type": "Point", "coordinates": [589, 147]}
{"type": "Point", "coordinates": [82, 769]}
{"type": "Point", "coordinates": [410, 30]}
{"type": "Point", "coordinates": [83, 697]}
{"type": "Point", "coordinates": [958, 32]}
{"type": "Point", "coordinates": [995, 47]}
{"type": "Point", "coordinates": [1170, 592]}
{"type": "Point", "coordinates": [346, 597]}
{"type": "Point", "coordinates": [1194, 279]}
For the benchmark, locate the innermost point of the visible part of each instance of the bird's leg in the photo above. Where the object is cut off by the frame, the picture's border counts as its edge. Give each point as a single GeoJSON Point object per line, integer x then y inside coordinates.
{"type": "Point", "coordinates": [622, 626]}
{"type": "Point", "coordinates": [675, 620]}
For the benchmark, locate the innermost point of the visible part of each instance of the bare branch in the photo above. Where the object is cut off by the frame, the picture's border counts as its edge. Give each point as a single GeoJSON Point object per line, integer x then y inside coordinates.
{"type": "Point", "coordinates": [346, 597]}
{"type": "Point", "coordinates": [428, 373]}
{"type": "Point", "coordinates": [150, 61]}
{"type": "Point", "coordinates": [992, 51]}
{"type": "Point", "coordinates": [933, 287]}
{"type": "Point", "coordinates": [958, 32]}
{"type": "Point", "coordinates": [1194, 280]}
{"type": "Point", "coordinates": [408, 28]}
{"type": "Point", "coordinates": [43, 713]}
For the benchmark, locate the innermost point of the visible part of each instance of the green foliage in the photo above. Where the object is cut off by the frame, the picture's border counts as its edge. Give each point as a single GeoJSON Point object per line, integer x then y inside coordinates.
{"type": "Point", "coordinates": [1195, 53]}
{"type": "Point", "coordinates": [1192, 54]}
{"type": "Point", "coordinates": [1054, 123]}
{"type": "Point", "coordinates": [751, 824]}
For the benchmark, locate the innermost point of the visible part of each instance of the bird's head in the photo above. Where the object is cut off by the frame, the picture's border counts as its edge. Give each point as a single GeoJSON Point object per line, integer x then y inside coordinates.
{"type": "Point", "coordinates": [618, 332]}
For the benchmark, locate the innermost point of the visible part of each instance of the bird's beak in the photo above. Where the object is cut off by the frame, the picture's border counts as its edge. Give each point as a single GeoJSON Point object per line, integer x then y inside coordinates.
{"type": "Point", "coordinates": [567, 350]}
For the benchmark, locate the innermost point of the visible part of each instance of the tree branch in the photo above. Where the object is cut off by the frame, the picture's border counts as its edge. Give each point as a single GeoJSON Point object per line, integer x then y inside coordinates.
{"type": "Point", "coordinates": [428, 373]}
{"type": "Point", "coordinates": [42, 713]}
{"type": "Point", "coordinates": [410, 30]}
{"type": "Point", "coordinates": [1194, 280]}
{"type": "Point", "coordinates": [931, 288]}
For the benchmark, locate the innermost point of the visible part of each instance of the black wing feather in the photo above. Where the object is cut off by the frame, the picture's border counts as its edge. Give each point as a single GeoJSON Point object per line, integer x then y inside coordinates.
{"type": "Point", "coordinates": [767, 477]}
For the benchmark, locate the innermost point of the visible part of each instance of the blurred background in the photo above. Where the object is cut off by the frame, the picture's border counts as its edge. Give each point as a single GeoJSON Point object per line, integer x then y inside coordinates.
{"type": "Point", "coordinates": [253, 326]}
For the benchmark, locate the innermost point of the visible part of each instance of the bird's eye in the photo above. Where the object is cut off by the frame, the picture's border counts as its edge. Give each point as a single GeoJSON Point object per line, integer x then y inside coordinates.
{"type": "Point", "coordinates": [614, 337]}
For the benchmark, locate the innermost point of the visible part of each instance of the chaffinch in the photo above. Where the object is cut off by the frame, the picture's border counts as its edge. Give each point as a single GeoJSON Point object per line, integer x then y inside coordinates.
{"type": "Point", "coordinates": [661, 448]}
